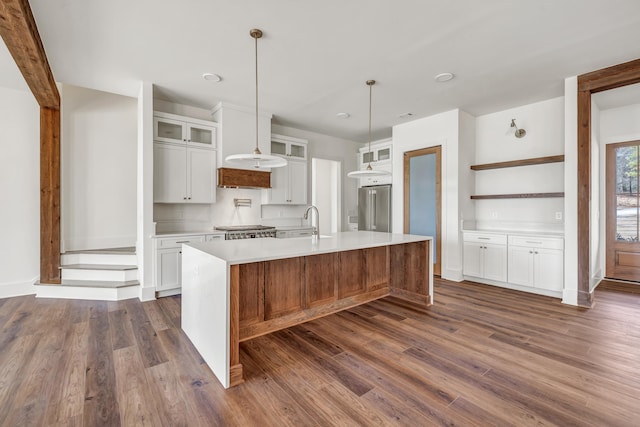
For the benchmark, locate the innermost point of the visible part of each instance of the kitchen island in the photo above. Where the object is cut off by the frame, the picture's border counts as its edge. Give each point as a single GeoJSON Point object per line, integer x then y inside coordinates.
{"type": "Point", "coordinates": [236, 290]}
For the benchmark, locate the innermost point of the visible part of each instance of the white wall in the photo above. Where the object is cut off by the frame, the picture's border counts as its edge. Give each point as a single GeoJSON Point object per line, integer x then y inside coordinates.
{"type": "Point", "coordinates": [495, 142]}
{"type": "Point", "coordinates": [441, 129]}
{"type": "Point", "coordinates": [620, 124]}
{"type": "Point", "coordinates": [570, 292]}
{"type": "Point", "coordinates": [19, 192]}
{"type": "Point", "coordinates": [598, 155]}
{"type": "Point", "coordinates": [99, 151]}
{"type": "Point", "coordinates": [144, 185]}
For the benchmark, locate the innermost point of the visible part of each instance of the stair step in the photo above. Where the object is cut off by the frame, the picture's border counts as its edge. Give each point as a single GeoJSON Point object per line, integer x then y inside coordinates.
{"type": "Point", "coordinates": [120, 258]}
{"type": "Point", "coordinates": [93, 283]}
{"type": "Point", "coordinates": [114, 251]}
{"type": "Point", "coordinates": [100, 272]}
{"type": "Point", "coordinates": [89, 290]}
{"type": "Point", "coordinates": [99, 267]}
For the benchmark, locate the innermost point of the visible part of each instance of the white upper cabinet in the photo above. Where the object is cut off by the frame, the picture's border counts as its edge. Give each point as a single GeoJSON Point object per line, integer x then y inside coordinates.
{"type": "Point", "coordinates": [183, 174]}
{"type": "Point", "coordinates": [184, 157]}
{"type": "Point", "coordinates": [288, 183]}
{"type": "Point", "coordinates": [183, 130]}
{"type": "Point", "coordinates": [289, 147]}
{"type": "Point", "coordinates": [380, 157]}
{"type": "Point", "coordinates": [380, 153]}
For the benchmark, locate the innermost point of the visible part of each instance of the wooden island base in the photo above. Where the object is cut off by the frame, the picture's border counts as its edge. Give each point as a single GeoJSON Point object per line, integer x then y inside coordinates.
{"type": "Point", "coordinates": [271, 295]}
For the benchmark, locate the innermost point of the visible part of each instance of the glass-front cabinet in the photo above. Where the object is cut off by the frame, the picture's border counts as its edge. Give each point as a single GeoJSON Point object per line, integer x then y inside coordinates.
{"type": "Point", "coordinates": [174, 129]}
{"type": "Point", "coordinates": [290, 147]}
{"type": "Point", "coordinates": [380, 152]}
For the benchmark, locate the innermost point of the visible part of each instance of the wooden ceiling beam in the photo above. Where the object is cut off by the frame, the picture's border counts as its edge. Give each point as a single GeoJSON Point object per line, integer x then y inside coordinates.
{"type": "Point", "coordinates": [20, 33]}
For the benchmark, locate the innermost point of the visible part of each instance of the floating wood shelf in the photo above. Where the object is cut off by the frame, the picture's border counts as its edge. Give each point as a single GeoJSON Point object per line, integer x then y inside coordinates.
{"type": "Point", "coordinates": [518, 196]}
{"type": "Point", "coordinates": [523, 162]}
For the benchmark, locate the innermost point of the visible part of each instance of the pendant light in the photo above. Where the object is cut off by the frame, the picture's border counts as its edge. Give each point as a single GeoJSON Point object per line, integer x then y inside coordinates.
{"type": "Point", "coordinates": [256, 159]}
{"type": "Point", "coordinates": [369, 171]}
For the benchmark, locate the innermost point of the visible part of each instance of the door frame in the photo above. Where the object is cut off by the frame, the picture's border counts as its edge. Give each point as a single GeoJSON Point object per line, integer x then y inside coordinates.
{"type": "Point", "coordinates": [611, 207]}
{"type": "Point", "coordinates": [437, 150]}
{"type": "Point", "coordinates": [613, 77]}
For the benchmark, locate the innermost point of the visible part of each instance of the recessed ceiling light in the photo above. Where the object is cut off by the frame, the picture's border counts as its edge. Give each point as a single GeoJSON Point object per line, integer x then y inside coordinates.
{"type": "Point", "coordinates": [405, 115]}
{"type": "Point", "coordinates": [443, 77]}
{"type": "Point", "coordinates": [211, 77]}
{"type": "Point", "coordinates": [343, 115]}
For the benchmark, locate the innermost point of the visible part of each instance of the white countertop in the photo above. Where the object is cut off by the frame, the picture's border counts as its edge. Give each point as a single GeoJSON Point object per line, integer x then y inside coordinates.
{"type": "Point", "coordinates": [186, 233]}
{"type": "Point", "coordinates": [517, 232]}
{"type": "Point", "coordinates": [265, 249]}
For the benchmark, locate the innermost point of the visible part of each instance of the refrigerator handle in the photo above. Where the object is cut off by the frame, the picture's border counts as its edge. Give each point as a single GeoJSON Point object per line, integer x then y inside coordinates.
{"type": "Point", "coordinates": [373, 209]}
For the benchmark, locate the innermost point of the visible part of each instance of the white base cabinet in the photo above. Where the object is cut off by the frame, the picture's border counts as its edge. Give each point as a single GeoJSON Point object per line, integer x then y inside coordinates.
{"type": "Point", "coordinates": [536, 262]}
{"type": "Point", "coordinates": [524, 262]}
{"type": "Point", "coordinates": [168, 260]}
{"type": "Point", "coordinates": [485, 256]}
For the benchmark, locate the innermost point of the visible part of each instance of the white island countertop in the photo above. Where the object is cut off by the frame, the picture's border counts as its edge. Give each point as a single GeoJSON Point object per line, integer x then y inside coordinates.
{"type": "Point", "coordinates": [264, 249]}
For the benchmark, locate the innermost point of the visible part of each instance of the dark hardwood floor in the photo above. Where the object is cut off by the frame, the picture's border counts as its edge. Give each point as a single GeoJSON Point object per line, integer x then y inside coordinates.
{"type": "Point", "coordinates": [480, 356]}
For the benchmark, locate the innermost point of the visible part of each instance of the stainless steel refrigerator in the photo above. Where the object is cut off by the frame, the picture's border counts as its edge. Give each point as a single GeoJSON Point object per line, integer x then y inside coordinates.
{"type": "Point", "coordinates": [374, 208]}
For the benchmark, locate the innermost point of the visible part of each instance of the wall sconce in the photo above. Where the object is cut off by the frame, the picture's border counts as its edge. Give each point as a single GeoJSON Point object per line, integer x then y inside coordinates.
{"type": "Point", "coordinates": [519, 132]}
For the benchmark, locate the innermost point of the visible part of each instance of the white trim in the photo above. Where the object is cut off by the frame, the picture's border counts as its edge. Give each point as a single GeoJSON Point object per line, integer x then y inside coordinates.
{"type": "Point", "coordinates": [86, 293]}
{"type": "Point", "coordinates": [148, 293]}
{"type": "Point", "coordinates": [250, 110]}
{"type": "Point", "coordinates": [16, 289]}
{"type": "Point", "coordinates": [570, 296]}
{"type": "Point", "coordinates": [455, 275]}
{"type": "Point", "coordinates": [527, 289]}
{"type": "Point", "coordinates": [178, 117]}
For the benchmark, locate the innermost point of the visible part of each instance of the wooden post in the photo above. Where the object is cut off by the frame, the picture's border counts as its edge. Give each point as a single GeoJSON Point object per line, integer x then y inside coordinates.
{"type": "Point", "coordinates": [49, 195]}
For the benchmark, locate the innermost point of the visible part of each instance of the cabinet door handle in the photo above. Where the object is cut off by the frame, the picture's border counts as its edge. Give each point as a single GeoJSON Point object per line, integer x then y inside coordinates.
{"type": "Point", "coordinates": [530, 252]}
{"type": "Point", "coordinates": [535, 252]}
{"type": "Point", "coordinates": [184, 198]}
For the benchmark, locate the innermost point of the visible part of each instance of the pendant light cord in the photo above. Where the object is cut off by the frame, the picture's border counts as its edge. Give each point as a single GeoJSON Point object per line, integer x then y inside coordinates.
{"type": "Point", "coordinates": [257, 150]}
{"type": "Point", "coordinates": [370, 83]}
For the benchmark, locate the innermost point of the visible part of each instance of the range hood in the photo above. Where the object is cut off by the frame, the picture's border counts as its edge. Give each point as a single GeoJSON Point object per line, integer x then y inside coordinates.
{"type": "Point", "coordinates": [243, 178]}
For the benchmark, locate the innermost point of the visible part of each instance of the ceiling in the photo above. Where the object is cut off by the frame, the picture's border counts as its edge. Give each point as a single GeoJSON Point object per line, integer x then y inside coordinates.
{"type": "Point", "coordinates": [315, 57]}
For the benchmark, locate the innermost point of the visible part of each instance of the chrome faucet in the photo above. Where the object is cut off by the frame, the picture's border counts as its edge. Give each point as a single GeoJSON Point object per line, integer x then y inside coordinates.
{"type": "Point", "coordinates": [316, 230]}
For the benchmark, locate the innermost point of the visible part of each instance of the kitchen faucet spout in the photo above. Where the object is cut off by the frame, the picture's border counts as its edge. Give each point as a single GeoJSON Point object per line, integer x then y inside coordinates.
{"type": "Point", "coordinates": [316, 229]}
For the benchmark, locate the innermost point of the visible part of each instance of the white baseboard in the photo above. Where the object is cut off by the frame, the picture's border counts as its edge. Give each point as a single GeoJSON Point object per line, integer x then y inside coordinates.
{"type": "Point", "coordinates": [453, 275]}
{"type": "Point", "coordinates": [570, 297]}
{"type": "Point", "coordinates": [147, 293]}
{"type": "Point", "coordinates": [16, 289]}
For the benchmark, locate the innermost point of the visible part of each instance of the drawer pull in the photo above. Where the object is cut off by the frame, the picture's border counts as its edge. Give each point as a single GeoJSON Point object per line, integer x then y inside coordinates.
{"type": "Point", "coordinates": [537, 243]}
{"type": "Point", "coordinates": [484, 238]}
{"type": "Point", "coordinates": [183, 241]}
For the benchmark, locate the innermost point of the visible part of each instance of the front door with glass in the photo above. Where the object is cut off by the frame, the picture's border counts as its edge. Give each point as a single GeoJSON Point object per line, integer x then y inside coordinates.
{"type": "Point", "coordinates": [623, 211]}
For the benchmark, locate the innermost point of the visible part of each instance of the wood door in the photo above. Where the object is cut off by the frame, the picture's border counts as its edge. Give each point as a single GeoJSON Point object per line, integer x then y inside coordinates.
{"type": "Point", "coordinates": [251, 293]}
{"type": "Point", "coordinates": [351, 273]}
{"type": "Point", "coordinates": [376, 261]}
{"type": "Point", "coordinates": [321, 279]}
{"type": "Point", "coordinates": [623, 211]}
{"type": "Point", "coordinates": [283, 287]}
{"type": "Point", "coordinates": [423, 197]}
